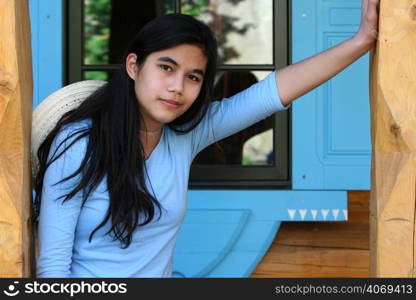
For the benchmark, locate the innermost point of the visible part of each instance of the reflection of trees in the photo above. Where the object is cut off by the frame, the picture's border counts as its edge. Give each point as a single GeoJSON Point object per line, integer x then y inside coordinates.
{"type": "Point", "coordinates": [230, 150]}
{"type": "Point", "coordinates": [110, 24]}
{"type": "Point", "coordinates": [96, 30]}
{"type": "Point", "coordinates": [221, 24]}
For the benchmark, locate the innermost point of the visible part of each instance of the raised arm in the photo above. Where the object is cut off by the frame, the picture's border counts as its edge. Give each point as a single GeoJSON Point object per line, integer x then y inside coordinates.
{"type": "Point", "coordinates": [302, 77]}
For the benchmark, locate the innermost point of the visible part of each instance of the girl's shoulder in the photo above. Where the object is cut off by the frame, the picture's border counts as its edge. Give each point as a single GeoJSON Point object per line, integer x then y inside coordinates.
{"type": "Point", "coordinates": [74, 127]}
{"type": "Point", "coordinates": [72, 132]}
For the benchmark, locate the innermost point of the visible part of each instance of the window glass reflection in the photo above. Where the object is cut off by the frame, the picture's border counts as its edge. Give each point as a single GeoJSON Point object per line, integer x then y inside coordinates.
{"type": "Point", "coordinates": [252, 146]}
{"type": "Point", "coordinates": [244, 28]}
{"type": "Point", "coordinates": [96, 75]}
{"type": "Point", "coordinates": [110, 24]}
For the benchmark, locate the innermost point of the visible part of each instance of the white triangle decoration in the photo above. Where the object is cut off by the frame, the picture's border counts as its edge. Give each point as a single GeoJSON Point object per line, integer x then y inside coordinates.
{"type": "Point", "coordinates": [345, 211]}
{"type": "Point", "coordinates": [335, 212]}
{"type": "Point", "coordinates": [291, 213]}
{"type": "Point", "coordinates": [303, 213]}
{"type": "Point", "coordinates": [324, 213]}
{"type": "Point", "coordinates": [314, 212]}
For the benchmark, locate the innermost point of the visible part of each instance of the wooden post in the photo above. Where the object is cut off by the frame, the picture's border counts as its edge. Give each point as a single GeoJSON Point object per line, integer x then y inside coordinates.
{"type": "Point", "coordinates": [15, 129]}
{"type": "Point", "coordinates": [393, 105]}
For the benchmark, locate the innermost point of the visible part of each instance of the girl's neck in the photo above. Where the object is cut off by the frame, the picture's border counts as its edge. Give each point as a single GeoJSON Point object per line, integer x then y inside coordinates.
{"type": "Point", "coordinates": [150, 128]}
{"type": "Point", "coordinates": [151, 132]}
{"type": "Point", "coordinates": [149, 140]}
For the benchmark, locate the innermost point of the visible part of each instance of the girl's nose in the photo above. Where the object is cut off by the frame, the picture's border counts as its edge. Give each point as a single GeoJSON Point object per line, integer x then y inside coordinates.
{"type": "Point", "coordinates": [176, 85]}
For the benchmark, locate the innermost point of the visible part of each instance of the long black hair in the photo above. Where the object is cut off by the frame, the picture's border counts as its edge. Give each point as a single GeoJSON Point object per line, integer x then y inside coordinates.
{"type": "Point", "coordinates": [114, 148]}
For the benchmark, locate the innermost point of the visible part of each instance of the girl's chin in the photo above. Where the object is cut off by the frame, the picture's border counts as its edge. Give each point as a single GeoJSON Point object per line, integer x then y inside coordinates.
{"type": "Point", "coordinates": [163, 117]}
{"type": "Point", "coordinates": [166, 119]}
{"type": "Point", "coordinates": [163, 121]}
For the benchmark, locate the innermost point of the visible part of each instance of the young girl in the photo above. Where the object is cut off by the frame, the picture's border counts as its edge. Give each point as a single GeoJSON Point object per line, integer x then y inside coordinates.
{"type": "Point", "coordinates": [113, 176]}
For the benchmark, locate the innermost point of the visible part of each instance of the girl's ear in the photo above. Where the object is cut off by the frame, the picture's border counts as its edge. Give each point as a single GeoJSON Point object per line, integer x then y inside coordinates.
{"type": "Point", "coordinates": [131, 65]}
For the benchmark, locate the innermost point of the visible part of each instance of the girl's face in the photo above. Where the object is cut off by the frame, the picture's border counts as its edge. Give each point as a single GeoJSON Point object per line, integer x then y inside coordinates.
{"type": "Point", "coordinates": [167, 83]}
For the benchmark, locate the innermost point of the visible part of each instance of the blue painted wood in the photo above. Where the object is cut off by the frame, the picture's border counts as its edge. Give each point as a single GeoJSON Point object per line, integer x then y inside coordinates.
{"type": "Point", "coordinates": [195, 254]}
{"type": "Point", "coordinates": [248, 251]}
{"type": "Point", "coordinates": [331, 125]}
{"type": "Point", "coordinates": [275, 205]}
{"type": "Point", "coordinates": [208, 244]}
{"type": "Point", "coordinates": [194, 265]}
{"type": "Point", "coordinates": [257, 236]}
{"type": "Point", "coordinates": [47, 50]}
{"type": "Point", "coordinates": [206, 237]}
{"type": "Point", "coordinates": [33, 13]}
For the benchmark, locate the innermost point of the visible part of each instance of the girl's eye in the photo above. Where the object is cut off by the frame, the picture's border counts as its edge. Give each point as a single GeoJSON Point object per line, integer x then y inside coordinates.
{"type": "Point", "coordinates": [166, 68]}
{"type": "Point", "coordinates": [193, 78]}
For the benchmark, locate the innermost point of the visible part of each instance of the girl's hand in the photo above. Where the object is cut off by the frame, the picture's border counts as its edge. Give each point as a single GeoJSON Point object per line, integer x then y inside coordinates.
{"type": "Point", "coordinates": [368, 32]}
{"type": "Point", "coordinates": [298, 79]}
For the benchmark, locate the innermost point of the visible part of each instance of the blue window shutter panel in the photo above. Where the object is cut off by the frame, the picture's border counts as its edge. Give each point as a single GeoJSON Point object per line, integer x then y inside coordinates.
{"type": "Point", "coordinates": [47, 47]}
{"type": "Point", "coordinates": [331, 139]}
{"type": "Point", "coordinates": [226, 233]}
{"type": "Point", "coordinates": [206, 237]}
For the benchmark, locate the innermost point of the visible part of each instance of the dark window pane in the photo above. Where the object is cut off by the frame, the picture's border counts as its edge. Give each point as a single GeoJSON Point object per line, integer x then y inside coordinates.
{"type": "Point", "coordinates": [252, 146]}
{"type": "Point", "coordinates": [244, 28]}
{"type": "Point", "coordinates": [110, 24]}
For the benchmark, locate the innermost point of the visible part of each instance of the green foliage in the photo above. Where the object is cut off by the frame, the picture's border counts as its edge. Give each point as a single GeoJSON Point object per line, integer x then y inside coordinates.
{"type": "Point", "coordinates": [96, 31]}
{"type": "Point", "coordinates": [98, 19]}
{"type": "Point", "coordinates": [96, 75]}
{"type": "Point", "coordinates": [199, 8]}
{"type": "Point", "coordinates": [247, 160]}
{"type": "Point", "coordinates": [195, 8]}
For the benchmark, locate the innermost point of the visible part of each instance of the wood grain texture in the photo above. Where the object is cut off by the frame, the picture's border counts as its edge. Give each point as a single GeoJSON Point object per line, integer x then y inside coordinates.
{"type": "Point", "coordinates": [298, 261]}
{"type": "Point", "coordinates": [322, 249]}
{"type": "Point", "coordinates": [393, 107]}
{"type": "Point", "coordinates": [15, 129]}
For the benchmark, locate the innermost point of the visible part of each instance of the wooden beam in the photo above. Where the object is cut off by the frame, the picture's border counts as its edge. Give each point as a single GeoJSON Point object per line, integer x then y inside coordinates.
{"type": "Point", "coordinates": [15, 129]}
{"type": "Point", "coordinates": [393, 108]}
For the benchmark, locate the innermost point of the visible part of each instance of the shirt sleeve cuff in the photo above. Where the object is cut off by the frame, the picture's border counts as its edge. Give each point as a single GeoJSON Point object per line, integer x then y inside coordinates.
{"type": "Point", "coordinates": [272, 83]}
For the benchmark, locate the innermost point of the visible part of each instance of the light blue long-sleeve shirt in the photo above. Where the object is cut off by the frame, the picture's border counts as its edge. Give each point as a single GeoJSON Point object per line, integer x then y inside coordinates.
{"type": "Point", "coordinates": [64, 228]}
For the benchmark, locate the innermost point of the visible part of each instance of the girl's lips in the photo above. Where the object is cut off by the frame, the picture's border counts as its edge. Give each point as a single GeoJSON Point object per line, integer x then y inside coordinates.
{"type": "Point", "coordinates": [170, 103]}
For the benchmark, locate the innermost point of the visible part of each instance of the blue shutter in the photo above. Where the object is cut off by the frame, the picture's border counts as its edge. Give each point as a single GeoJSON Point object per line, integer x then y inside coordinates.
{"type": "Point", "coordinates": [226, 233]}
{"type": "Point", "coordinates": [330, 125]}
{"type": "Point", "coordinates": [47, 47]}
